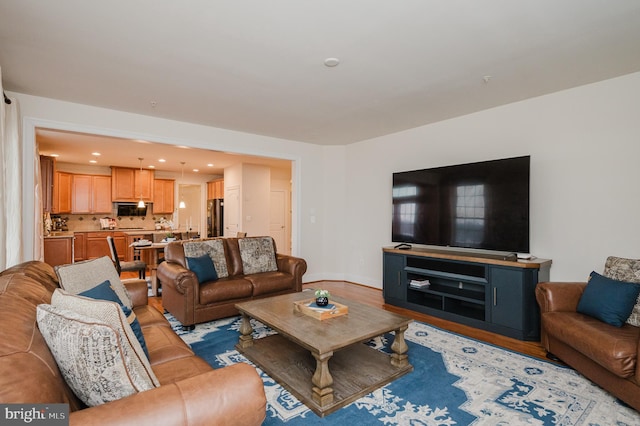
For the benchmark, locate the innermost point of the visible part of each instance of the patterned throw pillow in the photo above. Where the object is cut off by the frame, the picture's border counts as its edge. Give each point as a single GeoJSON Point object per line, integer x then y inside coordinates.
{"type": "Point", "coordinates": [258, 255]}
{"type": "Point", "coordinates": [94, 355]}
{"type": "Point", "coordinates": [82, 276]}
{"type": "Point", "coordinates": [215, 250]}
{"type": "Point", "coordinates": [621, 269]}
{"type": "Point", "coordinates": [104, 310]}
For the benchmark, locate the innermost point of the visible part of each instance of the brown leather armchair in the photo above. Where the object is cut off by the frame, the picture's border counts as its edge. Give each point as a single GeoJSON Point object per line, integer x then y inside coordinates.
{"type": "Point", "coordinates": [605, 354]}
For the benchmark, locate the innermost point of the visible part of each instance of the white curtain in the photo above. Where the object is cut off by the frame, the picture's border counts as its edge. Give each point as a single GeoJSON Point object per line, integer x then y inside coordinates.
{"type": "Point", "coordinates": [11, 206]}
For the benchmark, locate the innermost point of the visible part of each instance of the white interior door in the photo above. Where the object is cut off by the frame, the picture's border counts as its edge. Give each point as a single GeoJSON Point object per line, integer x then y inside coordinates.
{"type": "Point", "coordinates": [278, 221]}
{"type": "Point", "coordinates": [231, 211]}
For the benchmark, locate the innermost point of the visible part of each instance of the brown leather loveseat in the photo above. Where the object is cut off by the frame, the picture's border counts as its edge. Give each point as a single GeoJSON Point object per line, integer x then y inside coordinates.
{"type": "Point", "coordinates": [605, 354]}
{"type": "Point", "coordinates": [190, 391]}
{"type": "Point", "coordinates": [247, 268]}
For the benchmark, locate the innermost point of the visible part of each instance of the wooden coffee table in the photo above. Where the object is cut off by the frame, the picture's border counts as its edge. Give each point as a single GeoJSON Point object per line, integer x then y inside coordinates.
{"type": "Point", "coordinates": [324, 363]}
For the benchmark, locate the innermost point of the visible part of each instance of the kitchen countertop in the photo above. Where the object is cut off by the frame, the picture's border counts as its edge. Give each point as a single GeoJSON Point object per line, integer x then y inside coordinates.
{"type": "Point", "coordinates": [60, 234]}
{"type": "Point", "coordinates": [127, 231]}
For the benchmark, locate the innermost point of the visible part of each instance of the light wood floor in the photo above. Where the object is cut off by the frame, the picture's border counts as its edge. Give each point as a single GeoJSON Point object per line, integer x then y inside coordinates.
{"type": "Point", "coordinates": [374, 297]}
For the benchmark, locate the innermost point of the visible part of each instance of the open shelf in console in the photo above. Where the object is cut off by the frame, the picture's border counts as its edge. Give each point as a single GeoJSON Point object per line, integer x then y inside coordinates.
{"type": "Point", "coordinates": [454, 287]}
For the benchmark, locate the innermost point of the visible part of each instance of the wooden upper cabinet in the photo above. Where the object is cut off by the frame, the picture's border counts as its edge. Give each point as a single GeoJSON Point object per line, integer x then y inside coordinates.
{"type": "Point", "coordinates": [91, 194]}
{"type": "Point", "coordinates": [215, 189]}
{"type": "Point", "coordinates": [122, 184]}
{"type": "Point", "coordinates": [81, 194]}
{"type": "Point", "coordinates": [143, 182]}
{"type": "Point", "coordinates": [47, 170]}
{"type": "Point", "coordinates": [102, 194]}
{"type": "Point", "coordinates": [163, 196]}
{"type": "Point", "coordinates": [61, 202]}
{"type": "Point", "coordinates": [127, 184]}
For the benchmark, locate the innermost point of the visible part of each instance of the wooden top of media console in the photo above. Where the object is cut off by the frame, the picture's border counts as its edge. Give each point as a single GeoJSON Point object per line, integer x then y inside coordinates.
{"type": "Point", "coordinates": [535, 263]}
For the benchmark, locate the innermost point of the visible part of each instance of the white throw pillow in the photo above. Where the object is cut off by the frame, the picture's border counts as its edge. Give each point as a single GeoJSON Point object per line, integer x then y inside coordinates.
{"type": "Point", "coordinates": [94, 356]}
{"type": "Point", "coordinates": [81, 276]}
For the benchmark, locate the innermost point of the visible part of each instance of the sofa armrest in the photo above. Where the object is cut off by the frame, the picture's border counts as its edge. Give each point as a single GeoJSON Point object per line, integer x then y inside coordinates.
{"type": "Point", "coordinates": [295, 266]}
{"type": "Point", "coordinates": [181, 277]}
{"type": "Point", "coordinates": [232, 395]}
{"type": "Point", "coordinates": [138, 291]}
{"type": "Point", "coordinates": [559, 296]}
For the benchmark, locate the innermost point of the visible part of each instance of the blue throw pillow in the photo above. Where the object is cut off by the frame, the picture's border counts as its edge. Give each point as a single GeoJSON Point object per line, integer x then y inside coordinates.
{"type": "Point", "coordinates": [608, 300]}
{"type": "Point", "coordinates": [203, 268]}
{"type": "Point", "coordinates": [103, 291]}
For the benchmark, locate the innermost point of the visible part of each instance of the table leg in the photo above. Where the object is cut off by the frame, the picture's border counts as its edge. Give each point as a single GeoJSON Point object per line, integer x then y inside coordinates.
{"type": "Point", "coordinates": [399, 357]}
{"type": "Point", "coordinates": [322, 380]}
{"type": "Point", "coordinates": [246, 332]}
{"type": "Point", "coordinates": [153, 270]}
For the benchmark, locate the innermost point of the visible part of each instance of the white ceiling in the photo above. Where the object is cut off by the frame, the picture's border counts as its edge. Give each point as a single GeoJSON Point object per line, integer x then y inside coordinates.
{"type": "Point", "coordinates": [257, 66]}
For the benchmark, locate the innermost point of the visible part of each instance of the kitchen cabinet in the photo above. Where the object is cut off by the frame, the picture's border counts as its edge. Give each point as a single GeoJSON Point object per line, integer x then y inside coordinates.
{"type": "Point", "coordinates": [79, 251]}
{"type": "Point", "coordinates": [97, 246]}
{"type": "Point", "coordinates": [129, 184]}
{"type": "Point", "coordinates": [58, 250]}
{"type": "Point", "coordinates": [91, 194]}
{"type": "Point", "coordinates": [215, 189]}
{"type": "Point", "coordinates": [47, 170]}
{"type": "Point", "coordinates": [61, 194]}
{"type": "Point", "coordinates": [163, 196]}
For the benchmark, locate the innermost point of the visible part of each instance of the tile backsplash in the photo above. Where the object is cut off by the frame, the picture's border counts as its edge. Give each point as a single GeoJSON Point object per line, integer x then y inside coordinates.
{"type": "Point", "coordinates": [90, 222]}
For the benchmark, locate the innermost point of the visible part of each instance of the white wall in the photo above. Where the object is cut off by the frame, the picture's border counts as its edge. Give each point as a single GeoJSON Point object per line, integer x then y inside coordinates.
{"type": "Point", "coordinates": [585, 169]}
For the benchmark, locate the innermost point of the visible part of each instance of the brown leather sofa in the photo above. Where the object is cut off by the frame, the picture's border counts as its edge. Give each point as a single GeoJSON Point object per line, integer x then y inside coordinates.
{"type": "Point", "coordinates": [605, 354]}
{"type": "Point", "coordinates": [191, 302]}
{"type": "Point", "coordinates": [191, 392]}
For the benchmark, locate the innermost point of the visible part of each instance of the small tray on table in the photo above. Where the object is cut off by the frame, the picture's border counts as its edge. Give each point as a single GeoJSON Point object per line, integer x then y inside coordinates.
{"type": "Point", "coordinates": [309, 307]}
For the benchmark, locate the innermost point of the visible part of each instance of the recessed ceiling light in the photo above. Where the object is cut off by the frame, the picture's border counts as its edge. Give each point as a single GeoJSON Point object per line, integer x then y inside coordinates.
{"type": "Point", "coordinates": [331, 62]}
{"type": "Point", "coordinates": [95, 154]}
{"type": "Point", "coordinates": [196, 170]}
{"type": "Point", "coordinates": [55, 155]}
{"type": "Point", "coordinates": [210, 165]}
{"type": "Point", "coordinates": [93, 161]}
{"type": "Point", "coordinates": [151, 166]}
{"type": "Point", "coordinates": [162, 160]}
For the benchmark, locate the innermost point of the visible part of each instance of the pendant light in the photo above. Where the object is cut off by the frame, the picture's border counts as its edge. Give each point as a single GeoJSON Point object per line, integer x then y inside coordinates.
{"type": "Point", "coordinates": [141, 202]}
{"type": "Point", "coordinates": [182, 205]}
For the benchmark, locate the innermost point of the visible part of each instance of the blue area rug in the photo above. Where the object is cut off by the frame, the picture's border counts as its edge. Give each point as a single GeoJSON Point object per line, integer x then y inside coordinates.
{"type": "Point", "coordinates": [456, 381]}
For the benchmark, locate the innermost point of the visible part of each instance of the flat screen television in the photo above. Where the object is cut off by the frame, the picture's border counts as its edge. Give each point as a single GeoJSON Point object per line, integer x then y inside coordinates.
{"type": "Point", "coordinates": [482, 205]}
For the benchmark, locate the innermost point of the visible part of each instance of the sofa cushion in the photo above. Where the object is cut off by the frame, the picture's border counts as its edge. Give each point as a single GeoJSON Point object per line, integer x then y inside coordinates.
{"type": "Point", "coordinates": [213, 248]}
{"type": "Point", "coordinates": [91, 354]}
{"type": "Point", "coordinates": [103, 310]}
{"type": "Point", "coordinates": [258, 255]}
{"type": "Point", "coordinates": [104, 291]}
{"type": "Point", "coordinates": [614, 348]}
{"type": "Point", "coordinates": [225, 289]}
{"type": "Point", "coordinates": [271, 282]}
{"type": "Point", "coordinates": [628, 270]}
{"type": "Point", "coordinates": [81, 276]}
{"type": "Point", "coordinates": [203, 267]}
{"type": "Point", "coordinates": [608, 300]}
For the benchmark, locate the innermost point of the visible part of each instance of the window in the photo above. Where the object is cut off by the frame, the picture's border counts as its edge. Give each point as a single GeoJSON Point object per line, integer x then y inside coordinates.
{"type": "Point", "coordinates": [470, 215]}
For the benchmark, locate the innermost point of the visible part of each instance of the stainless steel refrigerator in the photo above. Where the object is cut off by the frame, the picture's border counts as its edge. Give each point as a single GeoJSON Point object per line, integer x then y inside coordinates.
{"type": "Point", "coordinates": [215, 217]}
